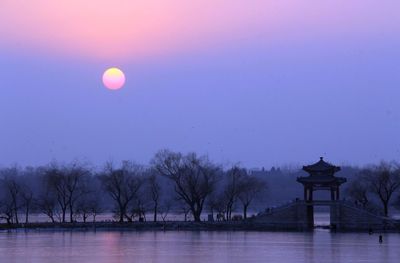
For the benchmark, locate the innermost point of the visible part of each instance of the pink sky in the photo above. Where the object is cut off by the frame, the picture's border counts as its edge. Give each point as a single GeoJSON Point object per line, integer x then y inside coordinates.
{"type": "Point", "coordinates": [125, 29]}
{"type": "Point", "coordinates": [255, 81]}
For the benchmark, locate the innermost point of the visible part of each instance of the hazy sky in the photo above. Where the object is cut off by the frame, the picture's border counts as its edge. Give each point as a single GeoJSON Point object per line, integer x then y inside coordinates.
{"type": "Point", "coordinates": [258, 82]}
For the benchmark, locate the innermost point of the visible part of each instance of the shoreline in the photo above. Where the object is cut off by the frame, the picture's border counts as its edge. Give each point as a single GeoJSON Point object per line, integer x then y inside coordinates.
{"type": "Point", "coordinates": [174, 226]}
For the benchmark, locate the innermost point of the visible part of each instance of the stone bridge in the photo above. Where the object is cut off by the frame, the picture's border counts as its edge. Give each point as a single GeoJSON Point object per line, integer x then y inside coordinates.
{"type": "Point", "coordinates": [344, 216]}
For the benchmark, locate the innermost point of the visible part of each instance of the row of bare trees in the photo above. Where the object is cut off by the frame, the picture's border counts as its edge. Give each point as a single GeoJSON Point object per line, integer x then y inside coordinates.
{"type": "Point", "coordinates": [55, 191]}
{"type": "Point", "coordinates": [198, 183]}
{"type": "Point", "coordinates": [378, 183]}
{"type": "Point", "coordinates": [173, 183]}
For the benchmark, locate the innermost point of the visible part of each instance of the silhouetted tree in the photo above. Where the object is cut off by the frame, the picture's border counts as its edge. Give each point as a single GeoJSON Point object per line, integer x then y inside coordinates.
{"type": "Point", "coordinates": [383, 181]}
{"type": "Point", "coordinates": [76, 180]}
{"type": "Point", "coordinates": [165, 208]}
{"type": "Point", "coordinates": [155, 192]}
{"type": "Point", "coordinates": [56, 184]}
{"type": "Point", "coordinates": [251, 189]}
{"type": "Point", "coordinates": [89, 206]}
{"type": "Point", "coordinates": [138, 207]}
{"type": "Point", "coordinates": [26, 200]}
{"type": "Point", "coordinates": [213, 202]}
{"type": "Point", "coordinates": [194, 177]}
{"type": "Point", "coordinates": [357, 190]}
{"type": "Point", "coordinates": [12, 193]}
{"type": "Point", "coordinates": [90, 203]}
{"type": "Point", "coordinates": [182, 206]}
{"type": "Point", "coordinates": [122, 185]}
{"type": "Point", "coordinates": [233, 187]}
{"type": "Point", "coordinates": [6, 210]}
{"type": "Point", "coordinates": [47, 204]}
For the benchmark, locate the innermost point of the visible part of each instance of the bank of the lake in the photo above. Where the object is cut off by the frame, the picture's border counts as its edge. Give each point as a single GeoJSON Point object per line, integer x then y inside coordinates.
{"type": "Point", "coordinates": [172, 226]}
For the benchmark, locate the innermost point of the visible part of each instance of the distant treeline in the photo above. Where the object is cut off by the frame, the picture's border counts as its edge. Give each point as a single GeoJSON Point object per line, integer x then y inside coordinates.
{"type": "Point", "coordinates": [172, 183]}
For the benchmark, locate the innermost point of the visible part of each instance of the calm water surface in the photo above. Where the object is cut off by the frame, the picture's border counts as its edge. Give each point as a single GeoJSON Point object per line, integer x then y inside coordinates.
{"type": "Point", "coordinates": [120, 247]}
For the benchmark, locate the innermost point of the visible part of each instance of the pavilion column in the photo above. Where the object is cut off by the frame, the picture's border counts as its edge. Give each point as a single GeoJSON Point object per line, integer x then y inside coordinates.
{"type": "Point", "coordinates": [332, 194]}
{"type": "Point", "coordinates": [305, 193]}
{"type": "Point", "coordinates": [337, 193]}
{"type": "Point", "coordinates": [310, 197]}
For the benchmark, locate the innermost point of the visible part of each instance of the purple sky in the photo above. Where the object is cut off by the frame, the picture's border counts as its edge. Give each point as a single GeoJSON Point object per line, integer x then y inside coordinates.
{"type": "Point", "coordinates": [322, 85]}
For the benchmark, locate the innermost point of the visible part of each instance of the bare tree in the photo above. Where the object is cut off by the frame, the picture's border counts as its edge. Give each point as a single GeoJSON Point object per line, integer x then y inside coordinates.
{"type": "Point", "coordinates": [68, 185]}
{"type": "Point", "coordinates": [252, 187]}
{"type": "Point", "coordinates": [47, 204]}
{"type": "Point", "coordinates": [212, 203]}
{"type": "Point", "coordinates": [88, 206]}
{"type": "Point", "coordinates": [358, 191]}
{"type": "Point", "coordinates": [18, 189]}
{"type": "Point", "coordinates": [75, 182]}
{"type": "Point", "coordinates": [155, 192]}
{"type": "Point", "coordinates": [56, 184]}
{"type": "Point", "coordinates": [95, 208]}
{"type": "Point", "coordinates": [383, 181]}
{"type": "Point", "coordinates": [217, 204]}
{"type": "Point", "coordinates": [165, 208]}
{"type": "Point", "coordinates": [6, 210]}
{"type": "Point", "coordinates": [7, 201]}
{"type": "Point", "coordinates": [12, 189]}
{"type": "Point", "coordinates": [27, 200]}
{"type": "Point", "coordinates": [182, 206]}
{"type": "Point", "coordinates": [83, 208]}
{"type": "Point", "coordinates": [233, 187]}
{"type": "Point", "coordinates": [90, 203]}
{"type": "Point", "coordinates": [194, 177]}
{"type": "Point", "coordinates": [138, 208]}
{"type": "Point", "coordinates": [122, 185]}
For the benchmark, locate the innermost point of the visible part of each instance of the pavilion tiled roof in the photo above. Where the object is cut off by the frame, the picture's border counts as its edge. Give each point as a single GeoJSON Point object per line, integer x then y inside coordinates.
{"type": "Point", "coordinates": [321, 167]}
{"type": "Point", "coordinates": [321, 172]}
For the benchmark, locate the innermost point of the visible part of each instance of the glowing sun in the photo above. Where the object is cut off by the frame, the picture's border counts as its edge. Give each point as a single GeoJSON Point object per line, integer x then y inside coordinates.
{"type": "Point", "coordinates": [113, 78]}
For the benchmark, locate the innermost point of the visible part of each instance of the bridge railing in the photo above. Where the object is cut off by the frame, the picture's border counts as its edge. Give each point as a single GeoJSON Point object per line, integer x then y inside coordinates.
{"type": "Point", "coordinates": [363, 209]}
{"type": "Point", "coordinates": [281, 207]}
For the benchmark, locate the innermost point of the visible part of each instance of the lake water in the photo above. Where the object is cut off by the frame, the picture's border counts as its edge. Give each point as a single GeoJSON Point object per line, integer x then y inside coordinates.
{"type": "Point", "coordinates": [121, 247]}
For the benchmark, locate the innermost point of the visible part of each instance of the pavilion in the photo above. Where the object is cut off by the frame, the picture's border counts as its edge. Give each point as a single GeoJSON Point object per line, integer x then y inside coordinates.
{"type": "Point", "coordinates": [321, 177]}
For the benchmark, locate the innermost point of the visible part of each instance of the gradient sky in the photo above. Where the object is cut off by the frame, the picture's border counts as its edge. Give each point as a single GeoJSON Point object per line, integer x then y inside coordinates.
{"type": "Point", "coordinates": [257, 82]}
